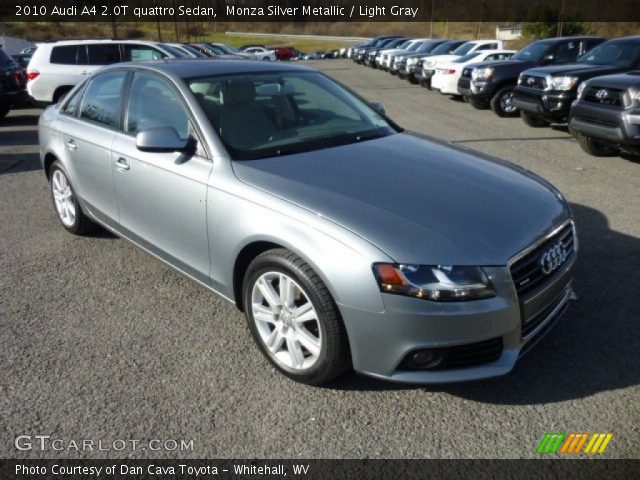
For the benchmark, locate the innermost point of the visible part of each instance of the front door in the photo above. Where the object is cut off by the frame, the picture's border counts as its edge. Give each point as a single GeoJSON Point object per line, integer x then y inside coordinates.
{"type": "Point", "coordinates": [162, 197]}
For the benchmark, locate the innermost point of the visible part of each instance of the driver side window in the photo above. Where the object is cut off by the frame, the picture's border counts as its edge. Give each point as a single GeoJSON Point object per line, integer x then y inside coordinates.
{"type": "Point", "coordinates": [154, 103]}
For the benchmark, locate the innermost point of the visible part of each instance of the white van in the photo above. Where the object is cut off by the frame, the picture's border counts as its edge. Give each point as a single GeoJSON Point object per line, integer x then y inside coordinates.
{"type": "Point", "coordinates": [57, 67]}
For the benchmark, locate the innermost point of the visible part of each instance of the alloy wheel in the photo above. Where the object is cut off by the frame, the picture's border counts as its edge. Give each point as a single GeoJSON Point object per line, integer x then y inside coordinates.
{"type": "Point", "coordinates": [286, 321]}
{"type": "Point", "coordinates": [506, 102]}
{"type": "Point", "coordinates": [63, 198]}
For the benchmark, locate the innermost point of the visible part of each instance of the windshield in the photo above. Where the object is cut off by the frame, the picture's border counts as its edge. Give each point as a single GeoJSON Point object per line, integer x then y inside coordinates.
{"type": "Point", "coordinates": [405, 44]}
{"type": "Point", "coordinates": [176, 52]}
{"type": "Point", "coordinates": [414, 46]}
{"type": "Point", "coordinates": [194, 51]}
{"type": "Point", "coordinates": [621, 54]}
{"type": "Point", "coordinates": [427, 47]}
{"type": "Point", "coordinates": [230, 48]}
{"type": "Point", "coordinates": [260, 115]}
{"type": "Point", "coordinates": [463, 49]}
{"type": "Point", "coordinates": [532, 52]}
{"type": "Point", "coordinates": [442, 48]}
{"type": "Point", "coordinates": [466, 58]}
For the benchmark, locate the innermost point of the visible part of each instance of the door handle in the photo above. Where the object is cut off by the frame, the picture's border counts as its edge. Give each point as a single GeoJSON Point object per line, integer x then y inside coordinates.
{"type": "Point", "coordinates": [72, 144]}
{"type": "Point", "coordinates": [122, 164]}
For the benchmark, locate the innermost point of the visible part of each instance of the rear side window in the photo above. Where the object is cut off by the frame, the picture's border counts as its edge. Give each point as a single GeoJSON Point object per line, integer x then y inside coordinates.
{"type": "Point", "coordinates": [488, 46]}
{"type": "Point", "coordinates": [101, 100]}
{"type": "Point", "coordinates": [154, 103]}
{"type": "Point", "coordinates": [72, 104]}
{"type": "Point", "coordinates": [103, 53]}
{"type": "Point", "coordinates": [137, 53]}
{"type": "Point", "coordinates": [65, 55]}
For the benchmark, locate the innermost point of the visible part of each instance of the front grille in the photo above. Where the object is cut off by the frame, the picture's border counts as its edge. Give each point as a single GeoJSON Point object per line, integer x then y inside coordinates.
{"type": "Point", "coordinates": [534, 322]}
{"type": "Point", "coordinates": [527, 272]}
{"type": "Point", "coordinates": [533, 81]}
{"type": "Point", "coordinates": [604, 96]}
{"type": "Point", "coordinates": [597, 121]}
{"type": "Point", "coordinates": [461, 356]}
{"type": "Point", "coordinates": [526, 96]}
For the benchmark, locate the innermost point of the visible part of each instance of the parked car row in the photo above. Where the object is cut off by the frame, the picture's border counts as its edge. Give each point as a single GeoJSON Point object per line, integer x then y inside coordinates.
{"type": "Point", "coordinates": [586, 82]}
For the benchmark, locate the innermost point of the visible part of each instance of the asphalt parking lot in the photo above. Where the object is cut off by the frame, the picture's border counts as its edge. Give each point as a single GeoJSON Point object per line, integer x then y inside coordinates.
{"type": "Point", "coordinates": [100, 341]}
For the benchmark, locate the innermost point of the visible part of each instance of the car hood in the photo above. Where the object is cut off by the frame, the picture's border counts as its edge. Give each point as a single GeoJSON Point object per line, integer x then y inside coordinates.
{"type": "Point", "coordinates": [577, 69]}
{"type": "Point", "coordinates": [441, 58]}
{"type": "Point", "coordinates": [509, 63]}
{"type": "Point", "coordinates": [622, 81]}
{"type": "Point", "coordinates": [419, 201]}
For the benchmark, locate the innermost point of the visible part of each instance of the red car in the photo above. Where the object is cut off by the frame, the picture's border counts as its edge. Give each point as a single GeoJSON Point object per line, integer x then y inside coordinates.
{"type": "Point", "coordinates": [285, 53]}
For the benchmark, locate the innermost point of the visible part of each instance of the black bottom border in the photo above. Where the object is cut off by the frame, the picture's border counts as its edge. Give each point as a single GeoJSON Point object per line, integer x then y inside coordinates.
{"type": "Point", "coordinates": [68, 469]}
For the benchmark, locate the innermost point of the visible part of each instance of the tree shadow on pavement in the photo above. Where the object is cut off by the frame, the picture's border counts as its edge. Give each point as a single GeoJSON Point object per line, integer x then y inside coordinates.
{"type": "Point", "coordinates": [593, 348]}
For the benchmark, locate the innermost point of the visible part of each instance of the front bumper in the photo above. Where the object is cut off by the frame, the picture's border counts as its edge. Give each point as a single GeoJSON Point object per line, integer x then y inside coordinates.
{"type": "Point", "coordinates": [382, 342]}
{"type": "Point", "coordinates": [551, 105]}
{"type": "Point", "coordinates": [608, 124]}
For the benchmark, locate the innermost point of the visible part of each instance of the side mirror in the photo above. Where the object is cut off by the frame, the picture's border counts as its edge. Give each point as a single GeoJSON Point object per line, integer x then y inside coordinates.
{"type": "Point", "coordinates": [550, 58]}
{"type": "Point", "coordinates": [160, 139]}
{"type": "Point", "coordinates": [378, 107]}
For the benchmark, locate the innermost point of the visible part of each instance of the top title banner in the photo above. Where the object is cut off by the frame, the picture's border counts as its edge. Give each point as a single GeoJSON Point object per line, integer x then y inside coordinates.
{"type": "Point", "coordinates": [319, 10]}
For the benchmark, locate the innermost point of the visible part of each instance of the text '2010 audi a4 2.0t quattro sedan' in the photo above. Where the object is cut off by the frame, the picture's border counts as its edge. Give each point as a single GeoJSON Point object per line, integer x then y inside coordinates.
{"type": "Point", "coordinates": [345, 240]}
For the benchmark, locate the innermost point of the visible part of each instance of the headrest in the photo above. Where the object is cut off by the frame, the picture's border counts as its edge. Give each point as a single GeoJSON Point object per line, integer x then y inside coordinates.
{"type": "Point", "coordinates": [239, 91]}
{"type": "Point", "coordinates": [272, 89]}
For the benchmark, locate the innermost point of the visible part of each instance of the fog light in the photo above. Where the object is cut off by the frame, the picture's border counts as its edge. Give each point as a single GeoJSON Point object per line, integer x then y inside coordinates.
{"type": "Point", "coordinates": [425, 358]}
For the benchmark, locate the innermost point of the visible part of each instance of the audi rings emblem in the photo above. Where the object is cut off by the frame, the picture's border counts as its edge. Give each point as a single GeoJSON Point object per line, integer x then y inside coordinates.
{"type": "Point", "coordinates": [553, 258]}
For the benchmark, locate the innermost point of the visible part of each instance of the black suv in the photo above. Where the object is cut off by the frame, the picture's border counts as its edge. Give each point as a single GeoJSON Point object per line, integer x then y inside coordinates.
{"type": "Point", "coordinates": [544, 95]}
{"type": "Point", "coordinates": [12, 83]}
{"type": "Point", "coordinates": [606, 116]}
{"type": "Point", "coordinates": [492, 84]}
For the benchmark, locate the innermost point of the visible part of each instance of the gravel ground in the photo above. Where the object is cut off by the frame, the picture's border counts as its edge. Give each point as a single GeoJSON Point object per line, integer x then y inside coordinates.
{"type": "Point", "coordinates": [100, 341]}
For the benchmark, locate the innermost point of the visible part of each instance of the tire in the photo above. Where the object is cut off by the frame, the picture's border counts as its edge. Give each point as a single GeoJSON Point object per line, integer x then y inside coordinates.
{"type": "Point", "coordinates": [68, 210]}
{"type": "Point", "coordinates": [501, 103]}
{"type": "Point", "coordinates": [313, 363]}
{"type": "Point", "coordinates": [477, 103]}
{"type": "Point", "coordinates": [533, 120]}
{"type": "Point", "coordinates": [457, 98]}
{"type": "Point", "coordinates": [4, 110]}
{"type": "Point", "coordinates": [593, 147]}
{"type": "Point", "coordinates": [266, 59]}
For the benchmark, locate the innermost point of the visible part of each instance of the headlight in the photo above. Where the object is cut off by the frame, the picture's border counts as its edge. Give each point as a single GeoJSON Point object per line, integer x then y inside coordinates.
{"type": "Point", "coordinates": [439, 283]}
{"type": "Point", "coordinates": [482, 73]}
{"type": "Point", "coordinates": [412, 61]}
{"type": "Point", "coordinates": [581, 88]}
{"type": "Point", "coordinates": [520, 77]}
{"type": "Point", "coordinates": [634, 94]}
{"type": "Point", "coordinates": [561, 83]}
{"type": "Point", "coordinates": [428, 64]}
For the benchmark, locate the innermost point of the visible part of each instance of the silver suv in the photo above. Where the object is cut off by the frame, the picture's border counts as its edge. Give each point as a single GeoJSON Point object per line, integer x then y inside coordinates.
{"type": "Point", "coordinates": [343, 239]}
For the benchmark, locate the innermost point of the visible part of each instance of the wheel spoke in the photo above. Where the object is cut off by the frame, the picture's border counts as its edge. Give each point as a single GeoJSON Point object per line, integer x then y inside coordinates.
{"type": "Point", "coordinates": [263, 314]}
{"type": "Point", "coordinates": [287, 291]}
{"type": "Point", "coordinates": [268, 292]}
{"type": "Point", "coordinates": [304, 313]}
{"type": "Point", "coordinates": [308, 341]}
{"type": "Point", "coordinates": [274, 341]}
{"type": "Point", "coordinates": [295, 351]}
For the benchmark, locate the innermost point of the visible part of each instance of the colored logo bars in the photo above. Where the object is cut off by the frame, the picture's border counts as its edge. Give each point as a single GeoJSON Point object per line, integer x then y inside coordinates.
{"type": "Point", "coordinates": [574, 443]}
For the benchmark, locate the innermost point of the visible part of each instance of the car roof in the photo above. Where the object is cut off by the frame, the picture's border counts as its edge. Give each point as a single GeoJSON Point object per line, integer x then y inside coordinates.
{"type": "Point", "coordinates": [95, 40]}
{"type": "Point", "coordinates": [200, 67]}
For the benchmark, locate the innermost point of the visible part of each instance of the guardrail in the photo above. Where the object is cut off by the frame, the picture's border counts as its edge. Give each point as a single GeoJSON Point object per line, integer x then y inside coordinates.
{"type": "Point", "coordinates": [306, 37]}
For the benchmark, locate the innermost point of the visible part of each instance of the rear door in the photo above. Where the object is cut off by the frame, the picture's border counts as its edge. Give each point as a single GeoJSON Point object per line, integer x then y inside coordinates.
{"type": "Point", "coordinates": [89, 130]}
{"type": "Point", "coordinates": [162, 197]}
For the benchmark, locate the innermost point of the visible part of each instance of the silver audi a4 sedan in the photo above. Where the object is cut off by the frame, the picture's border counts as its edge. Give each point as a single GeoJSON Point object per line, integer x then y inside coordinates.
{"type": "Point", "coordinates": [344, 240]}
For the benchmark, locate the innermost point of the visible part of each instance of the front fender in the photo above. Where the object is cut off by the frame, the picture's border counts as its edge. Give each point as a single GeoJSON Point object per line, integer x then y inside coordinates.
{"type": "Point", "coordinates": [341, 259]}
